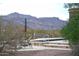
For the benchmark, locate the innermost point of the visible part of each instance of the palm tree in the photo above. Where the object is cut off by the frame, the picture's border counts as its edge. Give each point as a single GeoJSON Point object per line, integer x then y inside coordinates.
{"type": "Point", "coordinates": [71, 31]}
{"type": "Point", "coordinates": [71, 5]}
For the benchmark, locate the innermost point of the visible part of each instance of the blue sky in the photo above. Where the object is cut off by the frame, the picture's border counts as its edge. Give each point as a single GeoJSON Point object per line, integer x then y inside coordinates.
{"type": "Point", "coordinates": [38, 8]}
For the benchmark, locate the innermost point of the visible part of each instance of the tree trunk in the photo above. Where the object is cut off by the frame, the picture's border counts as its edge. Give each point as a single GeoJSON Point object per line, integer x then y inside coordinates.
{"type": "Point", "coordinates": [75, 50]}
{"type": "Point", "coordinates": [74, 13]}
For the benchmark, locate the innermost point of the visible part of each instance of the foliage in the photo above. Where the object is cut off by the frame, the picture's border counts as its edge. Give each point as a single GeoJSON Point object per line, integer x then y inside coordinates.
{"type": "Point", "coordinates": [71, 31]}
{"type": "Point", "coordinates": [71, 5]}
{"type": "Point", "coordinates": [10, 36]}
{"type": "Point", "coordinates": [51, 33]}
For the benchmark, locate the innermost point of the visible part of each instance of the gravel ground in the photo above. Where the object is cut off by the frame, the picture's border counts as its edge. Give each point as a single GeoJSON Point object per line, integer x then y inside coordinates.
{"type": "Point", "coordinates": [44, 53]}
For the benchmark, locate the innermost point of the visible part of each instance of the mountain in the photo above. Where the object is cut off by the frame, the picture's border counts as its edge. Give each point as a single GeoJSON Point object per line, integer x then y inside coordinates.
{"type": "Point", "coordinates": [43, 23]}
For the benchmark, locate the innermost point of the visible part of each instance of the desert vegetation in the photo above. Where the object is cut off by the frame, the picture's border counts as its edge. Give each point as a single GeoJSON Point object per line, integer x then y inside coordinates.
{"type": "Point", "coordinates": [12, 35]}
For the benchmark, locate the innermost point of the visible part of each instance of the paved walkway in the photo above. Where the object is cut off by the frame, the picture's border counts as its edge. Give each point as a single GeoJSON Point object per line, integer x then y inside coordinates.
{"type": "Point", "coordinates": [33, 48]}
{"type": "Point", "coordinates": [44, 53]}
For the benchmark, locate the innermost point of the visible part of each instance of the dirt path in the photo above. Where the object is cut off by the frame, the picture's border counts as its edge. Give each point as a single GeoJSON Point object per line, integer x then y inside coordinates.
{"type": "Point", "coordinates": [44, 53]}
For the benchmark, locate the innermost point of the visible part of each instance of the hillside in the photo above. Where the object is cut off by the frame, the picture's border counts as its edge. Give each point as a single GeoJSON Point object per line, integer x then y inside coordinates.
{"type": "Point", "coordinates": [43, 23]}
